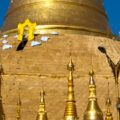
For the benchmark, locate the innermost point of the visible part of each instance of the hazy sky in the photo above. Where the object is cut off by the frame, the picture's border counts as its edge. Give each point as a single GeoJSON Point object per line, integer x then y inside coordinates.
{"type": "Point", "coordinates": [112, 8]}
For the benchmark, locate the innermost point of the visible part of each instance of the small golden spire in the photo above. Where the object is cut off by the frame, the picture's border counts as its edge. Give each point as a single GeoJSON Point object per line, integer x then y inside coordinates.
{"type": "Point", "coordinates": [92, 86]}
{"type": "Point", "coordinates": [18, 117]}
{"type": "Point", "coordinates": [42, 114]}
{"type": "Point", "coordinates": [70, 110]}
{"type": "Point", "coordinates": [93, 112]}
{"type": "Point", "coordinates": [108, 104]}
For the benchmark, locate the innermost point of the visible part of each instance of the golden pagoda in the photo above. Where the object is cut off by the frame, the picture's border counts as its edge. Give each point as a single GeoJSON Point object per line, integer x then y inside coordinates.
{"type": "Point", "coordinates": [36, 40]}
{"type": "Point", "coordinates": [42, 114]}
{"type": "Point", "coordinates": [93, 111]}
{"type": "Point", "coordinates": [70, 110]}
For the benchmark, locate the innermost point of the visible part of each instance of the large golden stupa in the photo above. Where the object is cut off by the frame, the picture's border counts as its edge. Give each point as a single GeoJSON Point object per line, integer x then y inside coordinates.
{"type": "Point", "coordinates": [38, 39]}
{"type": "Point", "coordinates": [59, 14]}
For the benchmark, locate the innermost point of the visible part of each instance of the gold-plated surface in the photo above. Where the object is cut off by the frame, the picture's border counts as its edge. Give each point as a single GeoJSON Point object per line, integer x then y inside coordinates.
{"type": "Point", "coordinates": [93, 111]}
{"type": "Point", "coordinates": [31, 27]}
{"type": "Point", "coordinates": [89, 14]}
{"type": "Point", "coordinates": [108, 105]}
{"type": "Point", "coordinates": [33, 61]}
{"type": "Point", "coordinates": [42, 114]}
{"type": "Point", "coordinates": [70, 110]}
{"type": "Point", "coordinates": [47, 29]}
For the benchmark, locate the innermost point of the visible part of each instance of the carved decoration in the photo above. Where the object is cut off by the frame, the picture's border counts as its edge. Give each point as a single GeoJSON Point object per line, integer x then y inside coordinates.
{"type": "Point", "coordinates": [31, 29]}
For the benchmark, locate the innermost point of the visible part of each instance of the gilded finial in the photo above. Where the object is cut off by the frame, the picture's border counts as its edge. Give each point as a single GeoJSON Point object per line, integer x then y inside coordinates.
{"type": "Point", "coordinates": [92, 86]}
{"type": "Point", "coordinates": [91, 72]}
{"type": "Point", "coordinates": [91, 81]}
{"type": "Point", "coordinates": [93, 112]}
{"type": "Point", "coordinates": [42, 93]}
{"type": "Point", "coordinates": [18, 117]}
{"type": "Point", "coordinates": [108, 105]}
{"type": "Point", "coordinates": [42, 114]}
{"type": "Point", "coordinates": [70, 65]}
{"type": "Point", "coordinates": [70, 110]}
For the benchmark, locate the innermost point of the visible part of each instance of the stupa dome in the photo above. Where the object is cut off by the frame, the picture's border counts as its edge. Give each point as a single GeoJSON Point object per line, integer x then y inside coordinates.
{"type": "Point", "coordinates": [59, 14]}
